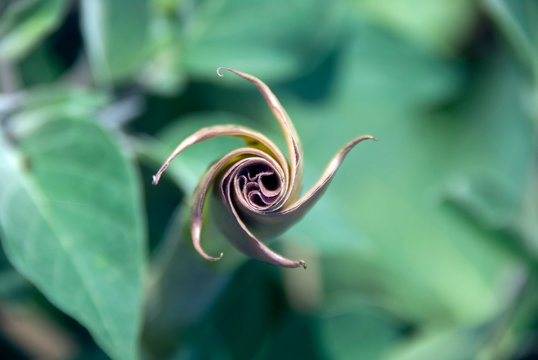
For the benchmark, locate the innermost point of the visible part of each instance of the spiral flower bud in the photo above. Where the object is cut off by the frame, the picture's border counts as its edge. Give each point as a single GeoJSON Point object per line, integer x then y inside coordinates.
{"type": "Point", "coordinates": [256, 186]}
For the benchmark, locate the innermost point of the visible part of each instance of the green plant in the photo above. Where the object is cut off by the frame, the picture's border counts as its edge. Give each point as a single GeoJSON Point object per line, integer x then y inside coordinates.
{"type": "Point", "coordinates": [423, 247]}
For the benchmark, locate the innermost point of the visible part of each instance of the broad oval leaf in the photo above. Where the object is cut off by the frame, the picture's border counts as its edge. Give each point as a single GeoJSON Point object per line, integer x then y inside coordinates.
{"type": "Point", "coordinates": [71, 222]}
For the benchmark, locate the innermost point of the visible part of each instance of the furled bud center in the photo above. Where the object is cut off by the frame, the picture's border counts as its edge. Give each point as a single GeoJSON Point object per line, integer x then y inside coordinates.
{"type": "Point", "coordinates": [259, 185]}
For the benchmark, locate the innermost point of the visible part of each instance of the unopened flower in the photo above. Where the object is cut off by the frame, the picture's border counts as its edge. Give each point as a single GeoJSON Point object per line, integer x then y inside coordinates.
{"type": "Point", "coordinates": [256, 187]}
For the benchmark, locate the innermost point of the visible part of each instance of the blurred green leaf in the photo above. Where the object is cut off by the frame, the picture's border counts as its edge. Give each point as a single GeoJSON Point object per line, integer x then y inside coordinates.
{"type": "Point", "coordinates": [45, 103]}
{"type": "Point", "coordinates": [40, 67]}
{"type": "Point", "coordinates": [361, 333]}
{"type": "Point", "coordinates": [164, 73]}
{"type": "Point", "coordinates": [390, 196]}
{"type": "Point", "coordinates": [176, 270]}
{"type": "Point", "coordinates": [253, 319]}
{"type": "Point", "coordinates": [27, 22]}
{"type": "Point", "coordinates": [117, 37]}
{"type": "Point", "coordinates": [259, 37]}
{"type": "Point", "coordinates": [293, 338]}
{"type": "Point", "coordinates": [462, 344]}
{"type": "Point", "coordinates": [487, 172]}
{"type": "Point", "coordinates": [438, 25]}
{"type": "Point", "coordinates": [71, 222]}
{"type": "Point", "coordinates": [518, 19]}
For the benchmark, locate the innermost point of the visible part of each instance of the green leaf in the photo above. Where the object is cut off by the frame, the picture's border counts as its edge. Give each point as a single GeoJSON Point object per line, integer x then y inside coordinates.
{"type": "Point", "coordinates": [488, 170]}
{"type": "Point", "coordinates": [116, 34]}
{"type": "Point", "coordinates": [71, 222]}
{"type": "Point", "coordinates": [176, 269]}
{"type": "Point", "coordinates": [25, 23]}
{"type": "Point", "coordinates": [389, 198]}
{"type": "Point", "coordinates": [294, 338]}
{"type": "Point", "coordinates": [518, 19]}
{"type": "Point", "coordinates": [44, 103]}
{"type": "Point", "coordinates": [359, 332]}
{"type": "Point", "coordinates": [443, 345]}
{"type": "Point", "coordinates": [436, 25]}
{"type": "Point", "coordinates": [258, 37]}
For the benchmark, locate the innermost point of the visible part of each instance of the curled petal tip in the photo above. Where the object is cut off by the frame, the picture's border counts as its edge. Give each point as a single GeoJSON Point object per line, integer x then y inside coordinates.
{"type": "Point", "coordinates": [243, 75]}
{"type": "Point", "coordinates": [212, 258]}
{"type": "Point", "coordinates": [155, 180]}
{"type": "Point", "coordinates": [302, 263]}
{"type": "Point", "coordinates": [222, 68]}
{"type": "Point", "coordinates": [209, 257]}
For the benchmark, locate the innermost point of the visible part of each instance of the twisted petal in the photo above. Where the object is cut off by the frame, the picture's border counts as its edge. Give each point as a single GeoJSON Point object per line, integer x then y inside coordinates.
{"type": "Point", "coordinates": [238, 233]}
{"type": "Point", "coordinates": [203, 186]}
{"type": "Point", "coordinates": [290, 134]}
{"type": "Point", "coordinates": [251, 137]}
{"type": "Point", "coordinates": [256, 188]}
{"type": "Point", "coordinates": [281, 220]}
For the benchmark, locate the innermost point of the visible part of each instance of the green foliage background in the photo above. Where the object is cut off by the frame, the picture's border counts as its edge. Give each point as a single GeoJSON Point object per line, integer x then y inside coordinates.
{"type": "Point", "coordinates": [425, 246]}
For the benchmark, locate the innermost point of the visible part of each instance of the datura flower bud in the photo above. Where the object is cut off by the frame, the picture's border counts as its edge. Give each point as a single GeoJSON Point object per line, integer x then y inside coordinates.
{"type": "Point", "coordinates": [256, 188]}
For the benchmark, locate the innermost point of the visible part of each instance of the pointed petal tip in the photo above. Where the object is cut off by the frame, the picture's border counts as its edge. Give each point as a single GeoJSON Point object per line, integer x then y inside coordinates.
{"type": "Point", "coordinates": [212, 258]}
{"type": "Point", "coordinates": [368, 137]}
{"type": "Point", "coordinates": [196, 229]}
{"type": "Point", "coordinates": [362, 138]}
{"type": "Point", "coordinates": [157, 176]}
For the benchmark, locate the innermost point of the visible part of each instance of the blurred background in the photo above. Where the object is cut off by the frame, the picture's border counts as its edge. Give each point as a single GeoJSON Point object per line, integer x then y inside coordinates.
{"type": "Point", "coordinates": [425, 246]}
